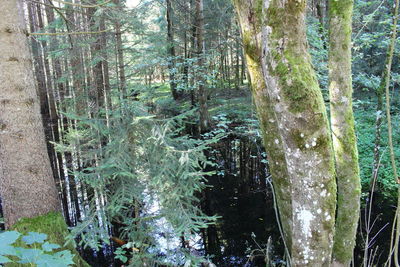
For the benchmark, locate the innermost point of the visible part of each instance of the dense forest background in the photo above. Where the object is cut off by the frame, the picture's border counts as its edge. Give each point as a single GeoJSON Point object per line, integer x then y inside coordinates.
{"type": "Point", "coordinates": [153, 137]}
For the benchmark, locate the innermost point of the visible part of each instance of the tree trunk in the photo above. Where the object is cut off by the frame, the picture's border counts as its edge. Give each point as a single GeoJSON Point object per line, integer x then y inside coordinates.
{"type": "Point", "coordinates": [76, 66]}
{"type": "Point", "coordinates": [294, 125]}
{"type": "Point", "coordinates": [202, 91]}
{"type": "Point", "coordinates": [39, 70]}
{"type": "Point", "coordinates": [120, 54]}
{"type": "Point", "coordinates": [171, 50]}
{"type": "Point", "coordinates": [106, 71]}
{"type": "Point", "coordinates": [96, 92]}
{"type": "Point", "coordinates": [385, 83]}
{"type": "Point", "coordinates": [26, 181]}
{"type": "Point", "coordinates": [343, 132]}
{"type": "Point", "coordinates": [27, 188]}
{"type": "Point", "coordinates": [237, 61]}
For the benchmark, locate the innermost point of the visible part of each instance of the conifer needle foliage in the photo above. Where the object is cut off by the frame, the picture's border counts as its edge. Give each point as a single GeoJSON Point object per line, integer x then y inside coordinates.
{"type": "Point", "coordinates": [147, 179]}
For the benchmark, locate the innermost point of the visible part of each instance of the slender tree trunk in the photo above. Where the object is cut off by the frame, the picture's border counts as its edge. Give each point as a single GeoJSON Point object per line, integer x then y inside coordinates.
{"type": "Point", "coordinates": [171, 50]}
{"type": "Point", "coordinates": [202, 91]}
{"type": "Point", "coordinates": [44, 84]}
{"type": "Point", "coordinates": [120, 54]}
{"type": "Point", "coordinates": [294, 125]}
{"type": "Point", "coordinates": [52, 113]}
{"type": "Point", "coordinates": [320, 8]}
{"type": "Point", "coordinates": [237, 62]}
{"type": "Point", "coordinates": [53, 134]}
{"type": "Point", "coordinates": [380, 91]}
{"type": "Point", "coordinates": [385, 83]}
{"type": "Point", "coordinates": [193, 49]}
{"type": "Point", "coordinates": [343, 131]}
{"type": "Point", "coordinates": [40, 74]}
{"type": "Point", "coordinates": [106, 71]}
{"type": "Point", "coordinates": [96, 94]}
{"type": "Point", "coordinates": [76, 66]}
{"type": "Point", "coordinates": [377, 142]}
{"type": "Point", "coordinates": [243, 67]}
{"type": "Point", "coordinates": [59, 92]}
{"type": "Point", "coordinates": [187, 48]}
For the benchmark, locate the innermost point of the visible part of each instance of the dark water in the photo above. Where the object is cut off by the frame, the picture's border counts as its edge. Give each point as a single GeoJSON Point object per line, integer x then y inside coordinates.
{"type": "Point", "coordinates": [240, 194]}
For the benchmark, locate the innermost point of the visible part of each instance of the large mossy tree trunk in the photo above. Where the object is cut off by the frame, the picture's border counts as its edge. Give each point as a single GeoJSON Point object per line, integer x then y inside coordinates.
{"type": "Point", "coordinates": [27, 186]}
{"type": "Point", "coordinates": [343, 132]}
{"type": "Point", "coordinates": [294, 125]}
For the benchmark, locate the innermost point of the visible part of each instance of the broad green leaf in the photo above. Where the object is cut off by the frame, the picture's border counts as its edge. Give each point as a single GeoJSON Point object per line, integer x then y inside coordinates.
{"type": "Point", "coordinates": [49, 247]}
{"type": "Point", "coordinates": [4, 259]}
{"type": "Point", "coordinates": [7, 250]}
{"type": "Point", "coordinates": [9, 237]}
{"type": "Point", "coordinates": [6, 239]}
{"type": "Point", "coordinates": [122, 258]}
{"type": "Point", "coordinates": [66, 256]}
{"type": "Point", "coordinates": [34, 237]}
{"type": "Point", "coordinates": [28, 255]}
{"type": "Point", "coordinates": [47, 260]}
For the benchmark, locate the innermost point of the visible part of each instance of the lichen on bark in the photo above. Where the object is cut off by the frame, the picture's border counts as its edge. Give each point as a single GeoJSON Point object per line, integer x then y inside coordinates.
{"type": "Point", "coordinates": [294, 125]}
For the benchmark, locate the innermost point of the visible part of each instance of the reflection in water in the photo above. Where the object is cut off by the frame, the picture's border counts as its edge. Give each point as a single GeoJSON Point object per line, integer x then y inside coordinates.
{"type": "Point", "coordinates": [239, 193]}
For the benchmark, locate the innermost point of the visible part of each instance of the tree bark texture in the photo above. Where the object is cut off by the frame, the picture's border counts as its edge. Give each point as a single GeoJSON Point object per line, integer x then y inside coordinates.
{"type": "Point", "coordinates": [171, 50]}
{"type": "Point", "coordinates": [343, 131]}
{"type": "Point", "coordinates": [34, 14]}
{"type": "Point", "coordinates": [294, 125]}
{"type": "Point", "coordinates": [120, 54]}
{"type": "Point", "coordinates": [27, 186]}
{"type": "Point", "coordinates": [202, 91]}
{"type": "Point", "coordinates": [77, 67]}
{"type": "Point", "coordinates": [55, 98]}
{"type": "Point", "coordinates": [96, 92]}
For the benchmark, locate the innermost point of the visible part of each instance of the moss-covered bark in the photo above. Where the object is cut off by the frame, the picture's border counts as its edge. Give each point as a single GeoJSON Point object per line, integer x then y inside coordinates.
{"type": "Point", "coordinates": [54, 226]}
{"type": "Point", "coordinates": [294, 125]}
{"type": "Point", "coordinates": [343, 132]}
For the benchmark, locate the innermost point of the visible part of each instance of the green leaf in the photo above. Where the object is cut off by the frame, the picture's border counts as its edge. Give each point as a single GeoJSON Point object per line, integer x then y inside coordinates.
{"type": "Point", "coordinates": [9, 237]}
{"type": "Point", "coordinates": [123, 258]}
{"type": "Point", "coordinates": [66, 256]}
{"type": "Point", "coordinates": [28, 255]}
{"type": "Point", "coordinates": [47, 260]}
{"type": "Point", "coordinates": [49, 247]}
{"type": "Point", "coordinates": [6, 239]}
{"type": "Point", "coordinates": [33, 237]}
{"type": "Point", "coordinates": [4, 259]}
